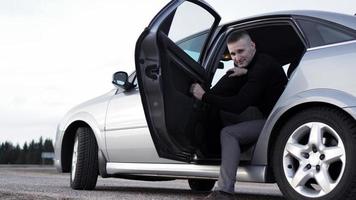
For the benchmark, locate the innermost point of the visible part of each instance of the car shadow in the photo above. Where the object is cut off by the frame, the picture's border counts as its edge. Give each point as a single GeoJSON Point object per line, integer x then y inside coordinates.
{"type": "Point", "coordinates": [182, 193]}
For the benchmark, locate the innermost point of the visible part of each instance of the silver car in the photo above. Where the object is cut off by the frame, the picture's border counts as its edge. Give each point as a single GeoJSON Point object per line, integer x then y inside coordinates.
{"type": "Point", "coordinates": [151, 128]}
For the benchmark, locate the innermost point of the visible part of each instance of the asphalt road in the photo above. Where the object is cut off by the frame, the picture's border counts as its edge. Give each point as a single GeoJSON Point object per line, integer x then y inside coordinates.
{"type": "Point", "coordinates": [44, 183]}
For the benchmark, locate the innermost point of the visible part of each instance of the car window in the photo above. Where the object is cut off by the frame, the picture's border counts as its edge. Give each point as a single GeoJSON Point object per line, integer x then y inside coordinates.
{"type": "Point", "coordinates": [320, 34]}
{"type": "Point", "coordinates": [190, 32]}
{"type": "Point", "coordinates": [192, 45]}
{"type": "Point", "coordinates": [221, 72]}
{"type": "Point", "coordinates": [135, 82]}
{"type": "Point", "coordinates": [132, 79]}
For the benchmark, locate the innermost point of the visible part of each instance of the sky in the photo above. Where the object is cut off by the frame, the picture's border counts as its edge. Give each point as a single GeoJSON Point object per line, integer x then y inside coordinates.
{"type": "Point", "coordinates": [55, 54]}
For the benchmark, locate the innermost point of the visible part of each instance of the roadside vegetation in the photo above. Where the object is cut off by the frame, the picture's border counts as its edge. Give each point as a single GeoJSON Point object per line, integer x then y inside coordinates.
{"type": "Point", "coordinates": [29, 153]}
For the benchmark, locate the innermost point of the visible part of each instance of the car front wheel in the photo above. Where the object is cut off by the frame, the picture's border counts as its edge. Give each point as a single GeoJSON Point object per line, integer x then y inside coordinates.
{"type": "Point", "coordinates": [84, 170]}
{"type": "Point", "coordinates": [314, 156]}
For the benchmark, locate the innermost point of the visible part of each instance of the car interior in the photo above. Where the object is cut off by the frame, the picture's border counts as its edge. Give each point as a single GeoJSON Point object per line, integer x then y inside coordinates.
{"type": "Point", "coordinates": [193, 126]}
{"type": "Point", "coordinates": [281, 42]}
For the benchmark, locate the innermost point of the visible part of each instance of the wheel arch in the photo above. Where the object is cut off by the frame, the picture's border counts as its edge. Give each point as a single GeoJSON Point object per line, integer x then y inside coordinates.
{"type": "Point", "coordinates": [292, 102]}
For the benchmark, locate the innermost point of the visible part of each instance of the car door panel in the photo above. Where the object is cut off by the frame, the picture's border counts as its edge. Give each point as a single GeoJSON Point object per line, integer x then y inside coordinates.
{"type": "Point", "coordinates": [125, 115]}
{"type": "Point", "coordinates": [126, 133]}
{"type": "Point", "coordinates": [165, 73]}
{"type": "Point", "coordinates": [182, 60]}
{"type": "Point", "coordinates": [180, 71]}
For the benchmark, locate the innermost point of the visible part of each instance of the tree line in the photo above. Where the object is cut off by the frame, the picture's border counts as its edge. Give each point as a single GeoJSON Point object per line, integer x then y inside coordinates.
{"type": "Point", "coordinates": [30, 153]}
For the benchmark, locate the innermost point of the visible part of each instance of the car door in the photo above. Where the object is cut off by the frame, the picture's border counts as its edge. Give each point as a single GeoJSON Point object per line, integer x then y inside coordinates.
{"type": "Point", "coordinates": [126, 133]}
{"type": "Point", "coordinates": [166, 70]}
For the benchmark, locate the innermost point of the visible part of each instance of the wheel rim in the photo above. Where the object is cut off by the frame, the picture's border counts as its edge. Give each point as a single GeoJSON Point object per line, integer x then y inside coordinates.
{"type": "Point", "coordinates": [74, 158]}
{"type": "Point", "coordinates": [314, 159]}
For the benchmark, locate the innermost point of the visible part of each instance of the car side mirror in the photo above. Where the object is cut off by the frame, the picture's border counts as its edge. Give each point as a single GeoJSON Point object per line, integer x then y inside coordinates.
{"type": "Point", "coordinates": [121, 80]}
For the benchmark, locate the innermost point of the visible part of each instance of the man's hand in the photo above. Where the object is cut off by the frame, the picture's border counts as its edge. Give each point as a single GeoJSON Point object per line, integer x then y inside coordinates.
{"type": "Point", "coordinates": [197, 91]}
{"type": "Point", "coordinates": [237, 71]}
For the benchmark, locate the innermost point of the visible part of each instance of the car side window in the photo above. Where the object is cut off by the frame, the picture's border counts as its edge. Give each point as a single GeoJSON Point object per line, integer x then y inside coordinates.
{"type": "Point", "coordinates": [190, 32]}
{"type": "Point", "coordinates": [319, 34]}
{"type": "Point", "coordinates": [133, 79]}
{"type": "Point", "coordinates": [192, 45]}
{"type": "Point", "coordinates": [135, 82]}
{"type": "Point", "coordinates": [221, 72]}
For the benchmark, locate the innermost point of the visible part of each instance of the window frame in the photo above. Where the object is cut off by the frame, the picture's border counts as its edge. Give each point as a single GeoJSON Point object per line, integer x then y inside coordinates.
{"type": "Point", "coordinates": [167, 25]}
{"type": "Point", "coordinates": [220, 42]}
{"type": "Point", "coordinates": [329, 24]}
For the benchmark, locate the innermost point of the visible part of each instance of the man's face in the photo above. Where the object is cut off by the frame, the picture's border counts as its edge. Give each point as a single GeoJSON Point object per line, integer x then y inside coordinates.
{"type": "Point", "coordinates": [242, 51]}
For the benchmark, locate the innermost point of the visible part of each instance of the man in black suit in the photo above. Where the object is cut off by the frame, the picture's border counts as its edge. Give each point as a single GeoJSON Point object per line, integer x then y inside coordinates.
{"type": "Point", "coordinates": [256, 80]}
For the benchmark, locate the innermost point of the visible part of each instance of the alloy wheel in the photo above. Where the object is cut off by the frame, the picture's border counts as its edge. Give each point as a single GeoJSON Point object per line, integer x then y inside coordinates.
{"type": "Point", "coordinates": [314, 159]}
{"type": "Point", "coordinates": [74, 158]}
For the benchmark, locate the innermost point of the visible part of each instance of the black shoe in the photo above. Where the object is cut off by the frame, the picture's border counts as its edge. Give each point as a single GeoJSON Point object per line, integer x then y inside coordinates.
{"type": "Point", "coordinates": [219, 195]}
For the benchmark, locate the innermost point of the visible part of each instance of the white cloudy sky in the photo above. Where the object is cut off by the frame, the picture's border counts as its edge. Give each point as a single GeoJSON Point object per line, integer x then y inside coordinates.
{"type": "Point", "coordinates": [55, 54]}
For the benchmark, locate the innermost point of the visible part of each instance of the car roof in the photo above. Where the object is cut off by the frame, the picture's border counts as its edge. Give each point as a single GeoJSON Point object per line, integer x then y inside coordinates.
{"type": "Point", "coordinates": [343, 19]}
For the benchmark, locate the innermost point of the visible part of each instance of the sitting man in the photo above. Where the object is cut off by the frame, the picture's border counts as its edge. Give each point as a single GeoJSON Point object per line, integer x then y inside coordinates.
{"type": "Point", "coordinates": [256, 80]}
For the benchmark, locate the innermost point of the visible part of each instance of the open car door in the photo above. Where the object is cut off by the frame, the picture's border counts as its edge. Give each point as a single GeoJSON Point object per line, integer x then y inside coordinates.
{"type": "Point", "coordinates": [168, 59]}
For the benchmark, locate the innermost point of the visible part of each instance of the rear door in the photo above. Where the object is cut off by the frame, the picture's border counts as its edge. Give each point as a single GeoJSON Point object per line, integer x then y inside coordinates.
{"type": "Point", "coordinates": [168, 58]}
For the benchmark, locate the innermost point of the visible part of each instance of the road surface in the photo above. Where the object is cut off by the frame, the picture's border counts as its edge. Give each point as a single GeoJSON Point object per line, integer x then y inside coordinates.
{"type": "Point", "coordinates": [44, 183]}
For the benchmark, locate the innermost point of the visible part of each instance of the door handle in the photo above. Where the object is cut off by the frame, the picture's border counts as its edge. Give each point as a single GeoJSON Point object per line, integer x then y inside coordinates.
{"type": "Point", "coordinates": [152, 72]}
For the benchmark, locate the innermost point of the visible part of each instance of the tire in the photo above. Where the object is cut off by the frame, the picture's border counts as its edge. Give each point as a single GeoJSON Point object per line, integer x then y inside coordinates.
{"type": "Point", "coordinates": [314, 156]}
{"type": "Point", "coordinates": [201, 185]}
{"type": "Point", "coordinates": [84, 170]}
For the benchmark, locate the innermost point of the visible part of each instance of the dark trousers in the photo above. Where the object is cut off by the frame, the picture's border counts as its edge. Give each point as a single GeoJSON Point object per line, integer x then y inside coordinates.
{"type": "Point", "coordinates": [232, 138]}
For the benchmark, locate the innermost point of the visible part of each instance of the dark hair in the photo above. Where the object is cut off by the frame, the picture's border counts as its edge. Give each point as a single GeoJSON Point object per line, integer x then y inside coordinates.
{"type": "Point", "coordinates": [237, 35]}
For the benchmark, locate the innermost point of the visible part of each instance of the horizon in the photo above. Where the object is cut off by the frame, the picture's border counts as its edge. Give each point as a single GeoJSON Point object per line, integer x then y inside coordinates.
{"type": "Point", "coordinates": [28, 142]}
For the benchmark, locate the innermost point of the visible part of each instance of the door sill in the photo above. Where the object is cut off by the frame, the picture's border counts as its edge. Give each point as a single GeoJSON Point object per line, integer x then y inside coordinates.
{"type": "Point", "coordinates": [248, 173]}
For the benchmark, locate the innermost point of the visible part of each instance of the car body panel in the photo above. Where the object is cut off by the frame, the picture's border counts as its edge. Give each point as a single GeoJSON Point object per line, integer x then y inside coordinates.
{"type": "Point", "coordinates": [351, 111]}
{"type": "Point", "coordinates": [320, 77]}
{"type": "Point", "coordinates": [91, 112]}
{"type": "Point", "coordinates": [125, 123]}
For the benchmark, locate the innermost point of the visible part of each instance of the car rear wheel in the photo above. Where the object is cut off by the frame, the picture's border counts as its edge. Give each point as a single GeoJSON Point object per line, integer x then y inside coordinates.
{"type": "Point", "coordinates": [84, 170]}
{"type": "Point", "coordinates": [314, 156]}
{"type": "Point", "coordinates": [201, 185]}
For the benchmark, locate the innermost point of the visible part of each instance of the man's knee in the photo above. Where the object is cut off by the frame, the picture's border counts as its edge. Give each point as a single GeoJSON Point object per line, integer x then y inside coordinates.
{"type": "Point", "coordinates": [226, 133]}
